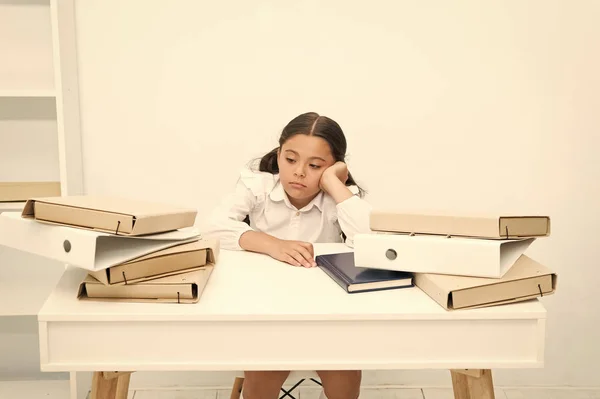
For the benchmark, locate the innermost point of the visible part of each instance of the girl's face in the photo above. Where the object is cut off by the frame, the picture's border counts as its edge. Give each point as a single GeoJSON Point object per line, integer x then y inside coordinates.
{"type": "Point", "coordinates": [302, 160]}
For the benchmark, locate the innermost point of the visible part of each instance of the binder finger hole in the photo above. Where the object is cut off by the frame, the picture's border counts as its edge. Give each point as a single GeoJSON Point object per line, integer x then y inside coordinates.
{"type": "Point", "coordinates": [391, 254]}
{"type": "Point", "coordinates": [67, 246]}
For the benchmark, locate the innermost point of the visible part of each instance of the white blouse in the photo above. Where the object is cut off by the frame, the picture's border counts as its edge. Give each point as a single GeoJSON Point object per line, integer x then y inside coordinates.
{"type": "Point", "coordinates": [261, 196]}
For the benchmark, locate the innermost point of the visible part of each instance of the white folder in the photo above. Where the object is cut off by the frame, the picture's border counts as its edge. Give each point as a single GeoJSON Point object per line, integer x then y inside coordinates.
{"type": "Point", "coordinates": [86, 249]}
{"type": "Point", "coordinates": [438, 254]}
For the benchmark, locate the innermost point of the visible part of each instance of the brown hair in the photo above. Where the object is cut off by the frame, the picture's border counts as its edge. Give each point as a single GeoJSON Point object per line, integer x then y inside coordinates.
{"type": "Point", "coordinates": [311, 124]}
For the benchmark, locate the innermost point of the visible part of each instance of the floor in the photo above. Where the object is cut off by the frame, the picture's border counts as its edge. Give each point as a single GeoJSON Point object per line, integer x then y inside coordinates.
{"type": "Point", "coordinates": [60, 390]}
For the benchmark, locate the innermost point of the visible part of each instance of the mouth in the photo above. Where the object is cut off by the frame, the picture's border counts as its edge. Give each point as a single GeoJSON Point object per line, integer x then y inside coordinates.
{"type": "Point", "coordinates": [297, 185]}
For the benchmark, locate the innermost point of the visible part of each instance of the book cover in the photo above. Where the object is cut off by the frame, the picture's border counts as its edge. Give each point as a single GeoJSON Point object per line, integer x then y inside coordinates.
{"type": "Point", "coordinates": [340, 267]}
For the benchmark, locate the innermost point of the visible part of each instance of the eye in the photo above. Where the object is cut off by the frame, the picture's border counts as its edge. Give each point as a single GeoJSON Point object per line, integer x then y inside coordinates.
{"type": "Point", "coordinates": [315, 166]}
{"type": "Point", "coordinates": [290, 160]}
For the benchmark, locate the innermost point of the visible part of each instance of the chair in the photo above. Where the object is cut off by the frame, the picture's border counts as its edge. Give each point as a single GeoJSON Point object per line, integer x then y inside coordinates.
{"type": "Point", "coordinates": [298, 376]}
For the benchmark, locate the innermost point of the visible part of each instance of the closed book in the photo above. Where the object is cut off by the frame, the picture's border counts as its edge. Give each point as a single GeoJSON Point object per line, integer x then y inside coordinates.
{"type": "Point", "coordinates": [466, 225]}
{"type": "Point", "coordinates": [340, 267]}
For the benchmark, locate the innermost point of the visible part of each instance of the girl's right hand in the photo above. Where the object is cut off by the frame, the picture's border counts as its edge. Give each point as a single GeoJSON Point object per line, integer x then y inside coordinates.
{"type": "Point", "coordinates": [296, 253]}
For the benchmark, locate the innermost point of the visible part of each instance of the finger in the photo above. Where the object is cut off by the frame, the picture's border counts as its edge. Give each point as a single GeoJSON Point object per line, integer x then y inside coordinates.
{"type": "Point", "coordinates": [311, 252]}
{"type": "Point", "coordinates": [299, 257]}
{"type": "Point", "coordinates": [309, 247]}
{"type": "Point", "coordinates": [307, 256]}
{"type": "Point", "coordinates": [289, 259]}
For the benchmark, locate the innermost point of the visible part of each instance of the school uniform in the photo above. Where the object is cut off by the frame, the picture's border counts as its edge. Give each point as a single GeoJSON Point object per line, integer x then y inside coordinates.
{"type": "Point", "coordinates": [261, 197]}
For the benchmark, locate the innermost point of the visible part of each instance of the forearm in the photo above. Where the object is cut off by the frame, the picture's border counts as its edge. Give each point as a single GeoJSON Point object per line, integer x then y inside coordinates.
{"type": "Point", "coordinates": [353, 216]}
{"type": "Point", "coordinates": [337, 190]}
{"type": "Point", "coordinates": [256, 241]}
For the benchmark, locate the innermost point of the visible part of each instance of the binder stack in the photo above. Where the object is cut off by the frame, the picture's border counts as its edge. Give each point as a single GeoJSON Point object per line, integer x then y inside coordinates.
{"type": "Point", "coordinates": [133, 251]}
{"type": "Point", "coordinates": [460, 261]}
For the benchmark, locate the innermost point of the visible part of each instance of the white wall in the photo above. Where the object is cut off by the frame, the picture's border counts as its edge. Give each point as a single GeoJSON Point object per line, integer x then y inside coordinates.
{"type": "Point", "coordinates": [461, 106]}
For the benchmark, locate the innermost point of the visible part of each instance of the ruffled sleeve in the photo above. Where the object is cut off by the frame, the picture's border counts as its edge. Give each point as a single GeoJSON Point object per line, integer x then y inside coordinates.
{"type": "Point", "coordinates": [226, 222]}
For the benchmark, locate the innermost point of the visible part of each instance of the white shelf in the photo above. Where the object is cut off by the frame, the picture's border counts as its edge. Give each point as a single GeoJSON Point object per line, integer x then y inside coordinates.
{"type": "Point", "coordinates": [43, 146]}
{"type": "Point", "coordinates": [12, 206]}
{"type": "Point", "coordinates": [28, 93]}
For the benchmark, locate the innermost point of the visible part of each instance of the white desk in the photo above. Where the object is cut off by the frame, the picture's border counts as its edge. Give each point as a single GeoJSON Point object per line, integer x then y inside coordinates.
{"type": "Point", "coordinates": [257, 313]}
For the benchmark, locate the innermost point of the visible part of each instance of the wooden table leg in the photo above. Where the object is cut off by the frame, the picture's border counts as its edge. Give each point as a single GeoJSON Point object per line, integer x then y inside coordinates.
{"type": "Point", "coordinates": [110, 385]}
{"type": "Point", "coordinates": [472, 384]}
{"type": "Point", "coordinates": [236, 390]}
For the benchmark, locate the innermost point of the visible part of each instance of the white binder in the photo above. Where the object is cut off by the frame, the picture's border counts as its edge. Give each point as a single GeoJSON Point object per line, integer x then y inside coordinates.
{"type": "Point", "coordinates": [86, 249]}
{"type": "Point", "coordinates": [438, 254]}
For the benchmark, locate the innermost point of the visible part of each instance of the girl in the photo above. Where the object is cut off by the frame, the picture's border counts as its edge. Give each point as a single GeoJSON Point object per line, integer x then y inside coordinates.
{"type": "Point", "coordinates": [302, 193]}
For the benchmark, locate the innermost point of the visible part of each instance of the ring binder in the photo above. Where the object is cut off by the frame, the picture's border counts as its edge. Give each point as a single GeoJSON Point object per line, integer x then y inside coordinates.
{"type": "Point", "coordinates": [421, 253]}
{"type": "Point", "coordinates": [89, 249]}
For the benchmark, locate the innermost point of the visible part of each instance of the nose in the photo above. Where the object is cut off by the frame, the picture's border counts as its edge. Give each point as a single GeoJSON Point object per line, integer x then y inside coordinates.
{"type": "Point", "coordinates": [299, 171]}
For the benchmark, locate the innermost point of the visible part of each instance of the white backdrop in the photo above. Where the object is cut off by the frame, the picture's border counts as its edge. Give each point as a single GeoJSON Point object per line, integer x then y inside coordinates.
{"type": "Point", "coordinates": [459, 106]}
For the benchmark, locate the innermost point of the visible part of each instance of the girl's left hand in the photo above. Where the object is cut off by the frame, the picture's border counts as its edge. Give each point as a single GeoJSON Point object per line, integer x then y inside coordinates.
{"type": "Point", "coordinates": [337, 171]}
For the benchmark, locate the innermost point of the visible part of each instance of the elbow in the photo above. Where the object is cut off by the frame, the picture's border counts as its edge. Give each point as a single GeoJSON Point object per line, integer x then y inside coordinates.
{"type": "Point", "coordinates": [228, 240]}
{"type": "Point", "coordinates": [227, 234]}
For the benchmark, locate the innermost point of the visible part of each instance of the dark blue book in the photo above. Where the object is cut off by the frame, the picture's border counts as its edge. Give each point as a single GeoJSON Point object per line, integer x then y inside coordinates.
{"type": "Point", "coordinates": [340, 267]}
